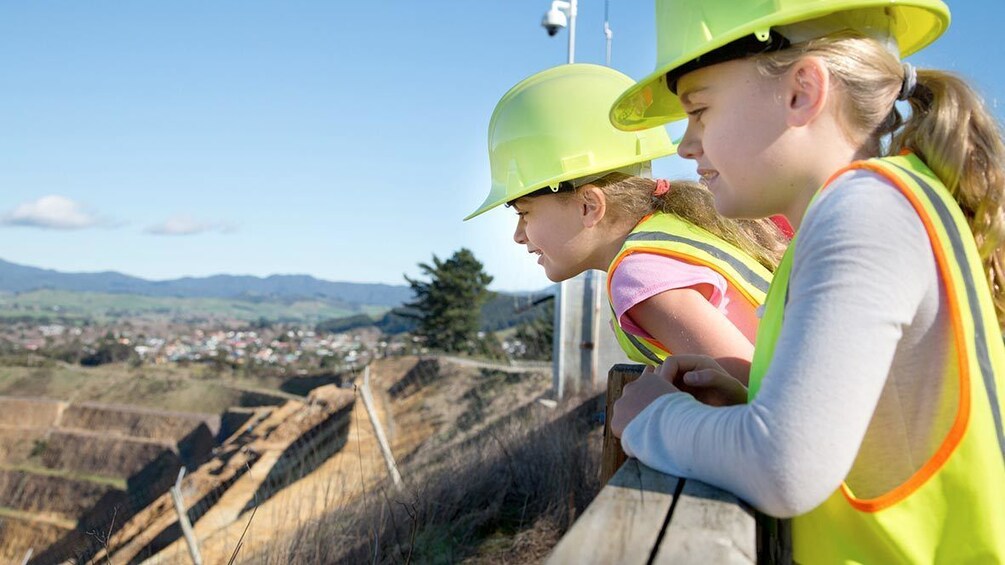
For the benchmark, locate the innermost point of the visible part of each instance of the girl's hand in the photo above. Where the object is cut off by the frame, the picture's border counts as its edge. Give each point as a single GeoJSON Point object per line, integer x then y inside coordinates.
{"type": "Point", "coordinates": [636, 396]}
{"type": "Point", "coordinates": [703, 378]}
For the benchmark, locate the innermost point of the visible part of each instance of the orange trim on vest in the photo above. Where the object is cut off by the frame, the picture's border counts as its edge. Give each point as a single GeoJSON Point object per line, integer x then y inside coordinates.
{"type": "Point", "coordinates": [683, 257]}
{"type": "Point", "coordinates": [956, 432]}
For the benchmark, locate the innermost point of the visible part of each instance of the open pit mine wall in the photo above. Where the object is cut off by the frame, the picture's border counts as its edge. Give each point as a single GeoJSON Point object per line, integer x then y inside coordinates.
{"type": "Point", "coordinates": [144, 447]}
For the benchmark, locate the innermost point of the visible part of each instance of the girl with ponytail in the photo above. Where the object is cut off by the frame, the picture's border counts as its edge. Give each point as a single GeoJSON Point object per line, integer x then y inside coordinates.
{"type": "Point", "coordinates": [874, 416]}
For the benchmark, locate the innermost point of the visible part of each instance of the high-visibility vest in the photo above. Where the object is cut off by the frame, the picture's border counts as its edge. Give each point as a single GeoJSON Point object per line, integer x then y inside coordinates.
{"type": "Point", "coordinates": [669, 235]}
{"type": "Point", "coordinates": [952, 509]}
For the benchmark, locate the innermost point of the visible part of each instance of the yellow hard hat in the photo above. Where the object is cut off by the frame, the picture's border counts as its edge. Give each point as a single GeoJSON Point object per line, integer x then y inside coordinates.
{"type": "Point", "coordinates": [553, 127]}
{"type": "Point", "coordinates": [690, 31]}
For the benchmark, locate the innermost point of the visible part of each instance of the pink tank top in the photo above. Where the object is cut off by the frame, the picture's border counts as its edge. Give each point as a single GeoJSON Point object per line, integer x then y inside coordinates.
{"type": "Point", "coordinates": [643, 275]}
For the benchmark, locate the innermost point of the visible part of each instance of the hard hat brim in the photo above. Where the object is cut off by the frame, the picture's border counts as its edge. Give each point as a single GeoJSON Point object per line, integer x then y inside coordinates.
{"type": "Point", "coordinates": [650, 103]}
{"type": "Point", "coordinates": [494, 202]}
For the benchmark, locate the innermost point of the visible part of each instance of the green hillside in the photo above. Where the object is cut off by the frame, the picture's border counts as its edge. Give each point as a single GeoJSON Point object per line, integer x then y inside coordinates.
{"type": "Point", "coordinates": [102, 307]}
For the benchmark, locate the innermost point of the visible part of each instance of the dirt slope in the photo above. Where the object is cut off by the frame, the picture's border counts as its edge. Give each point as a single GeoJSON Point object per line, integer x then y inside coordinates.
{"type": "Point", "coordinates": [296, 462]}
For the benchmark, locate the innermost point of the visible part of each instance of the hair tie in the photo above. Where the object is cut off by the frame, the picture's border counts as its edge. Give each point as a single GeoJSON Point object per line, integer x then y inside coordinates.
{"type": "Point", "coordinates": [910, 81]}
{"type": "Point", "coordinates": [662, 187]}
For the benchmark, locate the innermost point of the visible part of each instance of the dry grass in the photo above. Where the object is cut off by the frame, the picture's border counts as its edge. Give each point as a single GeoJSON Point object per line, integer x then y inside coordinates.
{"type": "Point", "coordinates": [18, 534]}
{"type": "Point", "coordinates": [503, 495]}
{"type": "Point", "coordinates": [194, 388]}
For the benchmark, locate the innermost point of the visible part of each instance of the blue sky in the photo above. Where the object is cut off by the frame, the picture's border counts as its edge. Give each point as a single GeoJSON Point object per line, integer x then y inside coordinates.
{"type": "Point", "coordinates": [341, 140]}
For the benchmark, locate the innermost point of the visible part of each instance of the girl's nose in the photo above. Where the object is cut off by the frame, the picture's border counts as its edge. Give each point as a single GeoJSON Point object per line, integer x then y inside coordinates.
{"type": "Point", "coordinates": [520, 236]}
{"type": "Point", "coordinates": [690, 144]}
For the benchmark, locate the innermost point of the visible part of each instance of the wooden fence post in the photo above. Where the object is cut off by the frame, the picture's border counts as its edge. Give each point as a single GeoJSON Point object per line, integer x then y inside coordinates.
{"type": "Point", "coordinates": [613, 456]}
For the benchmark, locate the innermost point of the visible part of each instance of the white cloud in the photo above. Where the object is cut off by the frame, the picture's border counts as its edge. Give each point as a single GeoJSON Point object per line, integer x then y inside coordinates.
{"type": "Point", "coordinates": [51, 212]}
{"type": "Point", "coordinates": [186, 225]}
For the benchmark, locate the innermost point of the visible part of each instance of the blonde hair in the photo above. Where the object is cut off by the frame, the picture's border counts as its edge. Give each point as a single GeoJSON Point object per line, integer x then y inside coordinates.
{"type": "Point", "coordinates": [949, 128]}
{"type": "Point", "coordinates": [630, 198]}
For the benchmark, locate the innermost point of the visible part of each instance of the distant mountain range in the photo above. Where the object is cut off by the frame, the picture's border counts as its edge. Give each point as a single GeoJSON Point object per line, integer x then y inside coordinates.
{"type": "Point", "coordinates": [20, 278]}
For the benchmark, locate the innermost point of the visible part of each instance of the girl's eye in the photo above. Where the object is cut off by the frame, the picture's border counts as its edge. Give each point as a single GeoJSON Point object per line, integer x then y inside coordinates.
{"type": "Point", "coordinates": [696, 113]}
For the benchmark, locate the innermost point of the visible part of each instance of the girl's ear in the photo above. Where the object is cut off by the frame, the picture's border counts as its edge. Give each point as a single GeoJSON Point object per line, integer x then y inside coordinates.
{"type": "Point", "coordinates": [593, 205]}
{"type": "Point", "coordinates": [807, 86]}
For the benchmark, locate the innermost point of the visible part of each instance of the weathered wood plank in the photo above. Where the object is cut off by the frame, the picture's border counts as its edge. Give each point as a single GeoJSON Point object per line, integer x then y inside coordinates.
{"type": "Point", "coordinates": [623, 523]}
{"type": "Point", "coordinates": [709, 525]}
{"type": "Point", "coordinates": [613, 456]}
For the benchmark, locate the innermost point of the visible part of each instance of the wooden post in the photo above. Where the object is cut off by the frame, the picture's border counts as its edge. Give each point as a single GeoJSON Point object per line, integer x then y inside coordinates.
{"type": "Point", "coordinates": [186, 526]}
{"type": "Point", "coordinates": [613, 456]}
{"type": "Point", "coordinates": [385, 449]}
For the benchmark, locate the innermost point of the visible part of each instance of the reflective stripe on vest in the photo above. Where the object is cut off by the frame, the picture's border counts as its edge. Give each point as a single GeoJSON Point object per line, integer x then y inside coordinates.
{"type": "Point", "coordinates": [669, 235]}
{"type": "Point", "coordinates": [952, 509]}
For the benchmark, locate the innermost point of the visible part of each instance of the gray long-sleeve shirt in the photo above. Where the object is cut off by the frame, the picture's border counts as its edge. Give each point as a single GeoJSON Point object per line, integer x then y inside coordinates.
{"type": "Point", "coordinates": [855, 387]}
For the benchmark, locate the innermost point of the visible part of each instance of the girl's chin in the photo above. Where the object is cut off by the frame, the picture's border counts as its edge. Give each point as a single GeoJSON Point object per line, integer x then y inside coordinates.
{"type": "Point", "coordinates": [555, 276]}
{"type": "Point", "coordinates": [726, 206]}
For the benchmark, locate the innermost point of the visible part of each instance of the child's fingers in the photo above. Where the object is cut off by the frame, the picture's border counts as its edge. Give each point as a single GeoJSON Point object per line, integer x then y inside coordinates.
{"type": "Point", "coordinates": [678, 364]}
{"type": "Point", "coordinates": [714, 387]}
{"type": "Point", "coordinates": [704, 377]}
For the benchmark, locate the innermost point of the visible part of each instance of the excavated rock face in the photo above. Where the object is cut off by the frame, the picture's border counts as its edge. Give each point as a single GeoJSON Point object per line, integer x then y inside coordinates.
{"type": "Point", "coordinates": [296, 462]}
{"type": "Point", "coordinates": [422, 373]}
{"type": "Point", "coordinates": [272, 448]}
{"type": "Point", "coordinates": [65, 468]}
{"type": "Point", "coordinates": [490, 474]}
{"type": "Point", "coordinates": [131, 422]}
{"type": "Point", "coordinates": [18, 534]}
{"type": "Point", "coordinates": [59, 496]}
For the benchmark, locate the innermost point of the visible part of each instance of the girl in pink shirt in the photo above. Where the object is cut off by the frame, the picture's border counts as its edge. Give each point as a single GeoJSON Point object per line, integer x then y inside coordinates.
{"type": "Point", "coordinates": [682, 279]}
{"type": "Point", "coordinates": [642, 276]}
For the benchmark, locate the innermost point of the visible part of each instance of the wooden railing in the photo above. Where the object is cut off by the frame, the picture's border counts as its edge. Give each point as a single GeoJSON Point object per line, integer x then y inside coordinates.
{"type": "Point", "coordinates": [644, 516]}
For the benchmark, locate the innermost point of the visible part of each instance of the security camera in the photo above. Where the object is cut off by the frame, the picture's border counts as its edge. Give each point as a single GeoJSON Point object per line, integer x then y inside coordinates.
{"type": "Point", "coordinates": [554, 20]}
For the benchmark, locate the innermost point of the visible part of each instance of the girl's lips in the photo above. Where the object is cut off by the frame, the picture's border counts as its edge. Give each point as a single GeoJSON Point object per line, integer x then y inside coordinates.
{"type": "Point", "coordinates": [707, 176]}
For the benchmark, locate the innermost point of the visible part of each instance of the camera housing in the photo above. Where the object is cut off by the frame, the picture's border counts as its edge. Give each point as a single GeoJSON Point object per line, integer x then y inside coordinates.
{"type": "Point", "coordinates": [554, 20]}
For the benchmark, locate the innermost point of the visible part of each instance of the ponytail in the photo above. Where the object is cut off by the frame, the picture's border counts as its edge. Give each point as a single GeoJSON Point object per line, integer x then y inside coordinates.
{"type": "Point", "coordinates": [949, 128]}
{"type": "Point", "coordinates": [632, 198]}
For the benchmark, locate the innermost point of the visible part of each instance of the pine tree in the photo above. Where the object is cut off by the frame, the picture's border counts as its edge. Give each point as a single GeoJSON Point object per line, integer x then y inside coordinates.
{"type": "Point", "coordinates": [449, 305]}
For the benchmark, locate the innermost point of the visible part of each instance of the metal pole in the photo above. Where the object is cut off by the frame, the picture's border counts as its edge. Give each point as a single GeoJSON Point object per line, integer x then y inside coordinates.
{"type": "Point", "coordinates": [588, 337]}
{"type": "Point", "coordinates": [572, 31]}
{"type": "Point", "coordinates": [608, 34]}
{"type": "Point", "coordinates": [595, 330]}
{"type": "Point", "coordinates": [558, 341]}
